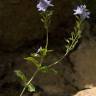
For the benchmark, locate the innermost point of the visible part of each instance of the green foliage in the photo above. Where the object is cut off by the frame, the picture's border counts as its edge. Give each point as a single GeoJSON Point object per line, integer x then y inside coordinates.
{"type": "Point", "coordinates": [46, 69]}
{"type": "Point", "coordinates": [53, 70]}
{"type": "Point", "coordinates": [75, 36]}
{"type": "Point", "coordinates": [33, 61]}
{"type": "Point", "coordinates": [46, 18]}
{"type": "Point", "coordinates": [38, 58]}
{"type": "Point", "coordinates": [31, 87]}
{"type": "Point", "coordinates": [35, 58]}
{"type": "Point", "coordinates": [42, 51]}
{"type": "Point", "coordinates": [21, 75]}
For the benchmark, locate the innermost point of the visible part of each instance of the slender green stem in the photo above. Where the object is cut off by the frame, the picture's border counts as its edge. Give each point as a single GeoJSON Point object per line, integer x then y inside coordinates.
{"type": "Point", "coordinates": [61, 57]}
{"type": "Point", "coordinates": [58, 60]}
{"type": "Point", "coordinates": [46, 37]}
{"type": "Point", "coordinates": [23, 91]}
{"type": "Point", "coordinates": [41, 61]}
{"type": "Point", "coordinates": [68, 50]}
{"type": "Point", "coordinates": [33, 76]}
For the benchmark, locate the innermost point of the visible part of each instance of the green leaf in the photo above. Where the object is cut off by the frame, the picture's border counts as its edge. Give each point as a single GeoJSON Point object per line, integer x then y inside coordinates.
{"type": "Point", "coordinates": [44, 69]}
{"type": "Point", "coordinates": [31, 88]}
{"type": "Point", "coordinates": [67, 41]}
{"type": "Point", "coordinates": [21, 75]}
{"type": "Point", "coordinates": [78, 19]}
{"type": "Point", "coordinates": [42, 20]}
{"type": "Point", "coordinates": [50, 13]}
{"type": "Point", "coordinates": [43, 51]}
{"type": "Point", "coordinates": [67, 46]}
{"type": "Point", "coordinates": [53, 70]}
{"type": "Point", "coordinates": [33, 60]}
{"type": "Point", "coordinates": [49, 50]}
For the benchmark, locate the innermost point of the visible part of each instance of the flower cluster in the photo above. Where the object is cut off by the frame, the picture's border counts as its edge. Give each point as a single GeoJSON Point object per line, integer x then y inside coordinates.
{"type": "Point", "coordinates": [43, 5]}
{"type": "Point", "coordinates": [82, 11]}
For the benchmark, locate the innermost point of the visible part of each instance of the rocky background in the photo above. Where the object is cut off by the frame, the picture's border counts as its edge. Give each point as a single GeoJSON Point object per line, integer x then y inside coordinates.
{"type": "Point", "coordinates": [21, 32]}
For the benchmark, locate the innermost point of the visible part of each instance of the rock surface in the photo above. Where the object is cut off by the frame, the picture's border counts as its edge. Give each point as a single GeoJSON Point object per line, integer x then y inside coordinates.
{"type": "Point", "coordinates": [87, 92]}
{"type": "Point", "coordinates": [84, 61]}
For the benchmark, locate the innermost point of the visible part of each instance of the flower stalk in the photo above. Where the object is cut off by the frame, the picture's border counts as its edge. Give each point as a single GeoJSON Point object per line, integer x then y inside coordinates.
{"type": "Point", "coordinates": [37, 58]}
{"type": "Point", "coordinates": [33, 76]}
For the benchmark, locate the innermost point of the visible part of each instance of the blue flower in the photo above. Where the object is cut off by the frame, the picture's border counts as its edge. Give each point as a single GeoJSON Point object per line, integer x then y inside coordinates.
{"type": "Point", "coordinates": [43, 5]}
{"type": "Point", "coordinates": [82, 11]}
